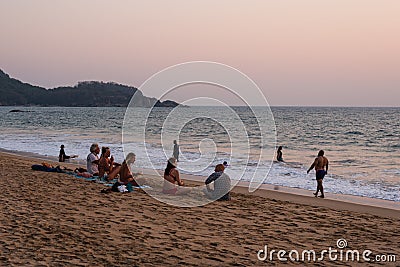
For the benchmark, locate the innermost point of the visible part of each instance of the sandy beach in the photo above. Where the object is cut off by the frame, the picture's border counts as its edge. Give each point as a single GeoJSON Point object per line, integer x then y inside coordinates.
{"type": "Point", "coordinates": [51, 219]}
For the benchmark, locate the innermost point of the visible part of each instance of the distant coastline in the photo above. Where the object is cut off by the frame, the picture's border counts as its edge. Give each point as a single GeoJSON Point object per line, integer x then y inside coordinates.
{"type": "Point", "coordinates": [13, 92]}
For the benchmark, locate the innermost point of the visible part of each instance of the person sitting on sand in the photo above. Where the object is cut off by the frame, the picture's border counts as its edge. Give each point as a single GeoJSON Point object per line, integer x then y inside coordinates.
{"type": "Point", "coordinates": [320, 163]}
{"type": "Point", "coordinates": [279, 154]}
{"type": "Point", "coordinates": [92, 160]}
{"type": "Point", "coordinates": [125, 175]}
{"type": "Point", "coordinates": [173, 185]}
{"type": "Point", "coordinates": [108, 169]}
{"type": "Point", "coordinates": [62, 156]}
{"type": "Point", "coordinates": [222, 184]}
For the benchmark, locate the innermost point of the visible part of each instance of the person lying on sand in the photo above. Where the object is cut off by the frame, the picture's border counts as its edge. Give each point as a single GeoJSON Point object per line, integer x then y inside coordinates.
{"type": "Point", "coordinates": [46, 167]}
{"type": "Point", "coordinates": [82, 172]}
{"type": "Point", "coordinates": [108, 169]}
{"type": "Point", "coordinates": [222, 184]}
{"type": "Point", "coordinates": [173, 185]}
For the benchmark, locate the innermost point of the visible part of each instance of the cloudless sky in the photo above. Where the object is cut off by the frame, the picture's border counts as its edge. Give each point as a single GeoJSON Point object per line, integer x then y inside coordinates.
{"type": "Point", "coordinates": [299, 52]}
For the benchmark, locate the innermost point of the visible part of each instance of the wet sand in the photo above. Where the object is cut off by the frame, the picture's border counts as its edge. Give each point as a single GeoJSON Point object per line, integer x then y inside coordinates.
{"type": "Point", "coordinates": [50, 219]}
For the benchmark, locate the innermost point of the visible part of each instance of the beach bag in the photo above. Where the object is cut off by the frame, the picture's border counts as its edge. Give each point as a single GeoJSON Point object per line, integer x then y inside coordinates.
{"type": "Point", "coordinates": [122, 188]}
{"type": "Point", "coordinates": [115, 186]}
{"type": "Point", "coordinates": [129, 187]}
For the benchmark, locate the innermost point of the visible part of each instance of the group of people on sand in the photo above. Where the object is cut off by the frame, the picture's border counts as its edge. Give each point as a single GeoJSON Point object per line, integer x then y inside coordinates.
{"type": "Point", "coordinates": [173, 184]}
{"type": "Point", "coordinates": [218, 184]}
{"type": "Point", "coordinates": [107, 169]}
{"type": "Point", "coordinates": [320, 164]}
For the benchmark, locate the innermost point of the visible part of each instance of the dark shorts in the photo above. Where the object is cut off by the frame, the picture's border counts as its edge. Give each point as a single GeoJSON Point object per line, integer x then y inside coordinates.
{"type": "Point", "coordinates": [320, 174]}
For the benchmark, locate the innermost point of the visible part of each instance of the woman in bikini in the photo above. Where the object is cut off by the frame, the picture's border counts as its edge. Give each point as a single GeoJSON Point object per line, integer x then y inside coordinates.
{"type": "Point", "coordinates": [125, 175]}
{"type": "Point", "coordinates": [173, 185]}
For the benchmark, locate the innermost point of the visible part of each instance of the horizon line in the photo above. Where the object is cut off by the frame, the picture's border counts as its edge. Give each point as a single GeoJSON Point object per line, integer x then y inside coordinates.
{"type": "Point", "coordinates": [232, 106]}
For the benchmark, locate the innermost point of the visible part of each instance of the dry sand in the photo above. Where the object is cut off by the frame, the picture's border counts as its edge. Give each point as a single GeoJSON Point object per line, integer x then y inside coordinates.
{"type": "Point", "coordinates": [50, 219]}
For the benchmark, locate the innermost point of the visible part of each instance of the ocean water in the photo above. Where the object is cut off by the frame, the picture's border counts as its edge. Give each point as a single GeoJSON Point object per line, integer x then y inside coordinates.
{"type": "Point", "coordinates": [362, 144]}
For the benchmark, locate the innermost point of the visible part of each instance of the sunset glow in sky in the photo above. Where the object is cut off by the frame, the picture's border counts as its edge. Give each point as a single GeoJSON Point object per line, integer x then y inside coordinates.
{"type": "Point", "coordinates": [317, 53]}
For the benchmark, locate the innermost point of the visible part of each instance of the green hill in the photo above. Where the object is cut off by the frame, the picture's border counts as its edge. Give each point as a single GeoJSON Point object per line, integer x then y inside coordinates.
{"type": "Point", "coordinates": [85, 94]}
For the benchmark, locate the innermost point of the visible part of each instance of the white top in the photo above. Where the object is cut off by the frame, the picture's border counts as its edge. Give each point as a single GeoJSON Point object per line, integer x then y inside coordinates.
{"type": "Point", "coordinates": [92, 167]}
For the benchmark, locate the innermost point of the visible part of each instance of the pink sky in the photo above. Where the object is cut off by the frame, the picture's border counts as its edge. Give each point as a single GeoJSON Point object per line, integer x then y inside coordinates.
{"type": "Point", "coordinates": [340, 53]}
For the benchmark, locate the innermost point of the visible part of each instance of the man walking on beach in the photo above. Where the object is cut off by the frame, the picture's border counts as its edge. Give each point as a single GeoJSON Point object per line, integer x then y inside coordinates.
{"type": "Point", "coordinates": [176, 151]}
{"type": "Point", "coordinates": [321, 169]}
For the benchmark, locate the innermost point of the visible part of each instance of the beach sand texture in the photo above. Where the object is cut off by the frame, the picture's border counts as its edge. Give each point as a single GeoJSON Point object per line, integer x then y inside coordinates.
{"type": "Point", "coordinates": [50, 219]}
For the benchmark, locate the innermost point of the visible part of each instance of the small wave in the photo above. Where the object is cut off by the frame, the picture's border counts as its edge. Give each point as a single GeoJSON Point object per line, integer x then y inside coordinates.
{"type": "Point", "coordinates": [292, 164]}
{"type": "Point", "coordinates": [354, 133]}
{"type": "Point", "coordinates": [346, 161]}
{"type": "Point", "coordinates": [392, 171]}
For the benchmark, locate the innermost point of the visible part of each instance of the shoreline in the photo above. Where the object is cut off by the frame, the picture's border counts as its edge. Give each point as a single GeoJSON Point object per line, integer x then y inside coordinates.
{"type": "Point", "coordinates": [379, 207]}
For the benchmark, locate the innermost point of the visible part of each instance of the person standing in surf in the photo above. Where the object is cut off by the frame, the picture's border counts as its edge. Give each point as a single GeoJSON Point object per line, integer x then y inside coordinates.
{"type": "Point", "coordinates": [321, 169]}
{"type": "Point", "coordinates": [175, 154]}
{"type": "Point", "coordinates": [279, 154]}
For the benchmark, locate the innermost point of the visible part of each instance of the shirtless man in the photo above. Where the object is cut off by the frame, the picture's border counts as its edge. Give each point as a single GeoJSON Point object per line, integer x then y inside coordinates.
{"type": "Point", "coordinates": [321, 169]}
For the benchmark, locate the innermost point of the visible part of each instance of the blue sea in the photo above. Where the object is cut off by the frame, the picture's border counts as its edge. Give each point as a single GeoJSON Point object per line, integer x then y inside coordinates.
{"type": "Point", "coordinates": [362, 144]}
